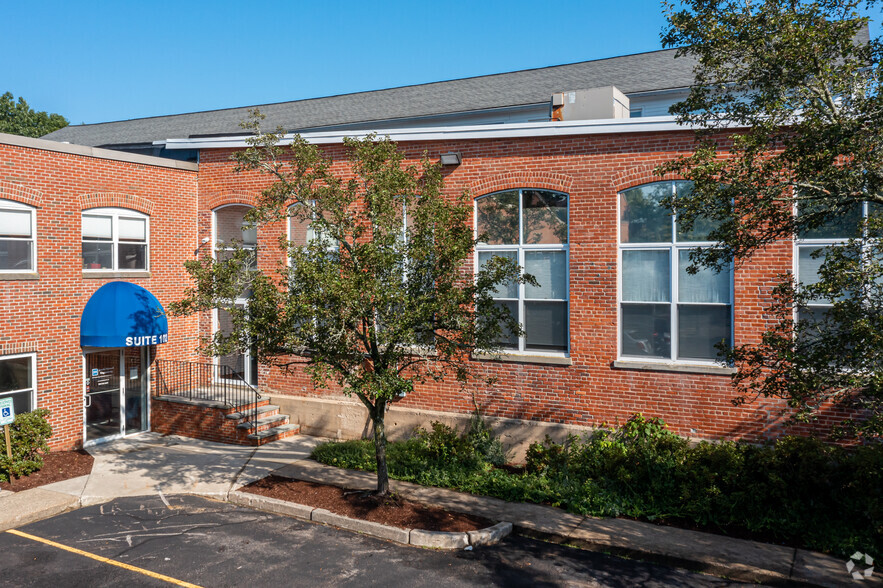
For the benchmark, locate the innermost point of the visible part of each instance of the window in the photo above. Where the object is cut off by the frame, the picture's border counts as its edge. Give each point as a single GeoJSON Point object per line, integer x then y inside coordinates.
{"type": "Point", "coordinates": [17, 381]}
{"type": "Point", "coordinates": [658, 296]}
{"type": "Point", "coordinates": [18, 226]}
{"type": "Point", "coordinates": [301, 232]}
{"type": "Point", "coordinates": [530, 227]}
{"type": "Point", "coordinates": [833, 233]}
{"type": "Point", "coordinates": [230, 227]}
{"type": "Point", "coordinates": [230, 230]}
{"type": "Point", "coordinates": [115, 239]}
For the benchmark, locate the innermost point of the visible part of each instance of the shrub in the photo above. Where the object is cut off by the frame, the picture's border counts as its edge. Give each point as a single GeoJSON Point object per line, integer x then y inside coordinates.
{"type": "Point", "coordinates": [798, 491]}
{"type": "Point", "coordinates": [28, 436]}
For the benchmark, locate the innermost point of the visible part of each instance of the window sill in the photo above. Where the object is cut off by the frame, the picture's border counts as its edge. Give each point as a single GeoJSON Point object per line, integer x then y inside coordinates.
{"type": "Point", "coordinates": [19, 276]}
{"type": "Point", "coordinates": [649, 366]}
{"type": "Point", "coordinates": [87, 274]}
{"type": "Point", "coordinates": [524, 358]}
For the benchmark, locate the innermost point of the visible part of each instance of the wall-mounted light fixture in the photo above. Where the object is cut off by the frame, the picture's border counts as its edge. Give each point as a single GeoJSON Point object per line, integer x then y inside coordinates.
{"type": "Point", "coordinates": [201, 243]}
{"type": "Point", "coordinates": [452, 158]}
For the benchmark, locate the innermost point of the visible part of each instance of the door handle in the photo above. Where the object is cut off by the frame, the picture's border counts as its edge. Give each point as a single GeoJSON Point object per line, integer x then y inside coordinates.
{"type": "Point", "coordinates": [88, 399]}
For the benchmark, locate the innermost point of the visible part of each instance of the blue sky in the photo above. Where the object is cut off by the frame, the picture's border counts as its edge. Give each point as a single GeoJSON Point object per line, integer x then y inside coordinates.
{"type": "Point", "coordinates": [95, 61]}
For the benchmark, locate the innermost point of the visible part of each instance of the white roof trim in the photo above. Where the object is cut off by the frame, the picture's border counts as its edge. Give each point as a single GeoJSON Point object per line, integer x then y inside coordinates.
{"type": "Point", "coordinates": [487, 131]}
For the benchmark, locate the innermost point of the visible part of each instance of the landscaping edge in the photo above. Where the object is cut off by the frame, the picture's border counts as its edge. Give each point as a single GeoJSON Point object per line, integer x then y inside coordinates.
{"type": "Point", "coordinates": [416, 537]}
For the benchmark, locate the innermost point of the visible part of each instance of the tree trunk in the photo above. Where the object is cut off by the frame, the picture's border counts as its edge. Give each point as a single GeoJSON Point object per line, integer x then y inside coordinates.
{"type": "Point", "coordinates": [380, 447]}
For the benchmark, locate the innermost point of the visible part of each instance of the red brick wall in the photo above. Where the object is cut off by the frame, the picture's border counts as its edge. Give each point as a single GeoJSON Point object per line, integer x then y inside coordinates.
{"type": "Point", "coordinates": [43, 315]}
{"type": "Point", "coordinates": [592, 170]}
{"type": "Point", "coordinates": [199, 422]}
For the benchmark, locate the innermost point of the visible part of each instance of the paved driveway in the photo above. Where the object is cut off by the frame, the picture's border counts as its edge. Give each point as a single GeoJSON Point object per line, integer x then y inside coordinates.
{"type": "Point", "coordinates": [208, 543]}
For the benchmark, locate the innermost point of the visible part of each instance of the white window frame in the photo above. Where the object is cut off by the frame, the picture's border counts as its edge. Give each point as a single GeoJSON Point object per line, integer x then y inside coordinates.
{"type": "Point", "coordinates": [12, 205]}
{"type": "Point", "coordinates": [521, 249]}
{"type": "Point", "coordinates": [674, 247]}
{"type": "Point", "coordinates": [115, 214]}
{"type": "Point", "coordinates": [34, 380]}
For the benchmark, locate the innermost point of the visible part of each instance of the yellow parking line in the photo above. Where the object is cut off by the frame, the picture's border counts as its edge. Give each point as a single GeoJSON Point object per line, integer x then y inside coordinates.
{"type": "Point", "coordinates": [105, 560]}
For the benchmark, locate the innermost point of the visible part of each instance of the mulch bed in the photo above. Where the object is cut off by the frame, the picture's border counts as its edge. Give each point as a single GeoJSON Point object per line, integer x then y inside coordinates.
{"type": "Point", "coordinates": [393, 510]}
{"type": "Point", "coordinates": [57, 466]}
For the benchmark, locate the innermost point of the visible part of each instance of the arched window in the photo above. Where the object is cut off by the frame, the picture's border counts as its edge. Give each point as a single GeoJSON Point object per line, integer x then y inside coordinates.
{"type": "Point", "coordinates": [115, 239]}
{"type": "Point", "coordinates": [530, 227]}
{"type": "Point", "coordinates": [229, 231]}
{"type": "Point", "coordinates": [667, 313]}
{"type": "Point", "coordinates": [18, 229]}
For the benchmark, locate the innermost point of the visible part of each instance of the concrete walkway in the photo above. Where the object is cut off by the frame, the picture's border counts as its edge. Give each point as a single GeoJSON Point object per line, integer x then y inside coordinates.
{"type": "Point", "coordinates": [151, 464]}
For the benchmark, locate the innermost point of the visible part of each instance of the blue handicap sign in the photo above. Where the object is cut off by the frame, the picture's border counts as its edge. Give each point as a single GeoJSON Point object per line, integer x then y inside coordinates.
{"type": "Point", "coordinates": [7, 411]}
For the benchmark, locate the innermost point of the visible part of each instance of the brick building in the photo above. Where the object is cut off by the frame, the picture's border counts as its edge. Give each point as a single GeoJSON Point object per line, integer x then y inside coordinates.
{"type": "Point", "coordinates": [616, 327]}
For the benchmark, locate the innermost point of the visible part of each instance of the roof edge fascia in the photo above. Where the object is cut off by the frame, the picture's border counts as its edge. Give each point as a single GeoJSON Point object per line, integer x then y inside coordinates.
{"type": "Point", "coordinates": [491, 131]}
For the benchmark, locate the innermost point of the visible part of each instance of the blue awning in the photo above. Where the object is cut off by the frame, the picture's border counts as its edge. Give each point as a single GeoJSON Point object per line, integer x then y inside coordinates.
{"type": "Point", "coordinates": [120, 314]}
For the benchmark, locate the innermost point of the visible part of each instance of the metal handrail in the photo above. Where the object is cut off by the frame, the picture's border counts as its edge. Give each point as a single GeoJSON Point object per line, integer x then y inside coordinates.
{"type": "Point", "coordinates": [205, 381]}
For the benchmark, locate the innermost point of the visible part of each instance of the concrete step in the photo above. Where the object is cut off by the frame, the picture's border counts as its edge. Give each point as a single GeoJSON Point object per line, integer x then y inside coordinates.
{"type": "Point", "coordinates": [262, 411]}
{"type": "Point", "coordinates": [244, 408]}
{"type": "Point", "coordinates": [267, 422]}
{"type": "Point", "coordinates": [274, 434]}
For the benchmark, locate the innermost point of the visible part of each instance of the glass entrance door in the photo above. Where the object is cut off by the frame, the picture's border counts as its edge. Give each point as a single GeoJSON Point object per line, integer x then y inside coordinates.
{"type": "Point", "coordinates": [116, 394]}
{"type": "Point", "coordinates": [135, 390]}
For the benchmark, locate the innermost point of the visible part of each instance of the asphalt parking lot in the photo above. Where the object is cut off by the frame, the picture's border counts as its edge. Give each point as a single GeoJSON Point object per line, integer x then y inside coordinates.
{"type": "Point", "coordinates": [162, 541]}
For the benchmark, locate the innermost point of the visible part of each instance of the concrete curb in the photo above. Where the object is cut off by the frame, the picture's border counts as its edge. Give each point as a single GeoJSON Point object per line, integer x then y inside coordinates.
{"type": "Point", "coordinates": [415, 537]}
{"type": "Point", "coordinates": [36, 504]}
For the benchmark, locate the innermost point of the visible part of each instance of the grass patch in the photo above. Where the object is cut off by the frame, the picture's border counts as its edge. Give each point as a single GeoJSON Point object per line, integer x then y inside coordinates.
{"type": "Point", "coordinates": [796, 491]}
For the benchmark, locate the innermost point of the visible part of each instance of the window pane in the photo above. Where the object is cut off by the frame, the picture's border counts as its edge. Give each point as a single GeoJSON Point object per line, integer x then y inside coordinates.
{"type": "Point", "coordinates": [509, 289]}
{"type": "Point", "coordinates": [700, 328]}
{"type": "Point", "coordinates": [15, 223]}
{"type": "Point", "coordinates": [545, 325]}
{"type": "Point", "coordinates": [815, 322]}
{"type": "Point", "coordinates": [701, 226]}
{"type": "Point", "coordinates": [545, 217]}
{"type": "Point", "coordinates": [498, 218]}
{"type": "Point", "coordinates": [706, 285]}
{"type": "Point", "coordinates": [643, 220]}
{"type": "Point", "coordinates": [132, 256]}
{"type": "Point", "coordinates": [231, 226]}
{"type": "Point", "coordinates": [298, 230]}
{"type": "Point", "coordinates": [807, 267]}
{"type": "Point", "coordinates": [21, 401]}
{"type": "Point", "coordinates": [132, 229]}
{"type": "Point", "coordinates": [550, 270]}
{"type": "Point", "coordinates": [15, 374]}
{"type": "Point", "coordinates": [646, 330]}
{"type": "Point", "coordinates": [97, 255]}
{"type": "Point", "coordinates": [15, 255]}
{"type": "Point", "coordinates": [97, 227]}
{"type": "Point", "coordinates": [646, 276]}
{"type": "Point", "coordinates": [509, 340]}
{"type": "Point", "coordinates": [842, 226]}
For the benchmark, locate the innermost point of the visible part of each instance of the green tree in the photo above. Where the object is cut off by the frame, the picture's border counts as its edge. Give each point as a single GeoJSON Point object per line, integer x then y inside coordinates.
{"type": "Point", "coordinates": [788, 109]}
{"type": "Point", "coordinates": [380, 298]}
{"type": "Point", "coordinates": [17, 118]}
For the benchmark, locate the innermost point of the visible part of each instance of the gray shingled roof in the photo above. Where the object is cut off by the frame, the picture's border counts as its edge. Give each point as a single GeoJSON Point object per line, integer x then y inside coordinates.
{"type": "Point", "coordinates": [641, 72]}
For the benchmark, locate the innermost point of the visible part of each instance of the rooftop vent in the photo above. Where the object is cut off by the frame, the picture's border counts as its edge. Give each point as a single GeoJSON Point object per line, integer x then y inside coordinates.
{"type": "Point", "coordinates": [595, 103]}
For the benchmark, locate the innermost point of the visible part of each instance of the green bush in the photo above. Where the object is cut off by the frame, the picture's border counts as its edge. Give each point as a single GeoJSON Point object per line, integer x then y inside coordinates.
{"type": "Point", "coordinates": [28, 436]}
{"type": "Point", "coordinates": [797, 491]}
